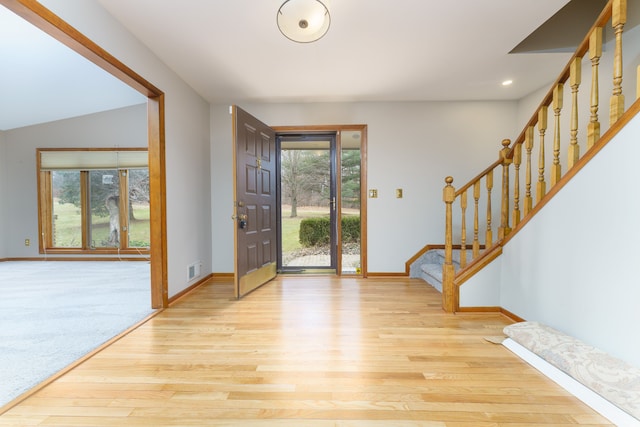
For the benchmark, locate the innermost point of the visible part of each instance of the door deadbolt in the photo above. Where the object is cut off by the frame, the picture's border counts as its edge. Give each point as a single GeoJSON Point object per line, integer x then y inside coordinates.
{"type": "Point", "coordinates": [242, 220]}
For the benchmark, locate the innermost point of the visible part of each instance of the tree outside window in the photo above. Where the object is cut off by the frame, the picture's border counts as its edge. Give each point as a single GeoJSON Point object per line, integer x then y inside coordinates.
{"type": "Point", "coordinates": [95, 209]}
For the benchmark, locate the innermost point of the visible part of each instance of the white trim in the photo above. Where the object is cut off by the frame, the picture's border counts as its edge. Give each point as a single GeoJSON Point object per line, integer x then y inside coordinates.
{"type": "Point", "coordinates": [585, 394]}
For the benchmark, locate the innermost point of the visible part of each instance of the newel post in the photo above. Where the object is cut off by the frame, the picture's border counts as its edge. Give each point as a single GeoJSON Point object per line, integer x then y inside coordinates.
{"type": "Point", "coordinates": [449, 296]}
{"type": "Point", "coordinates": [504, 229]}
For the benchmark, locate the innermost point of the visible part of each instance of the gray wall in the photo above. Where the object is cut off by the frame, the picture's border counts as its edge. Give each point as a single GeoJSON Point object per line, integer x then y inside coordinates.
{"type": "Point", "coordinates": [126, 127]}
{"type": "Point", "coordinates": [411, 145]}
{"type": "Point", "coordinates": [188, 191]}
{"type": "Point", "coordinates": [573, 265]}
{"type": "Point", "coordinates": [3, 196]}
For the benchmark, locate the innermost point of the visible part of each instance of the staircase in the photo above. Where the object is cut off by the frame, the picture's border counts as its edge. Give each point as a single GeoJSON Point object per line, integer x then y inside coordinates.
{"type": "Point", "coordinates": [481, 219]}
{"type": "Point", "coordinates": [428, 266]}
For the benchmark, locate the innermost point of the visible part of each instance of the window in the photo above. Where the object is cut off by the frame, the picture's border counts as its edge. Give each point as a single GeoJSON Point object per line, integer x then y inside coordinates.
{"type": "Point", "coordinates": [94, 200]}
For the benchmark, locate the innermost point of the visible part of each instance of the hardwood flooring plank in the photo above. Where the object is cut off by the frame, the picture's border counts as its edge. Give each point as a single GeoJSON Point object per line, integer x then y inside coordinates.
{"type": "Point", "coordinates": [22, 420]}
{"type": "Point", "coordinates": [307, 351]}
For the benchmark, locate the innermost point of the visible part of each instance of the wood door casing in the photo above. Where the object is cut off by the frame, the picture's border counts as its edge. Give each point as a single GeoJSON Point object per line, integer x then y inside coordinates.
{"type": "Point", "coordinates": [50, 23]}
{"type": "Point", "coordinates": [255, 202]}
{"type": "Point", "coordinates": [339, 129]}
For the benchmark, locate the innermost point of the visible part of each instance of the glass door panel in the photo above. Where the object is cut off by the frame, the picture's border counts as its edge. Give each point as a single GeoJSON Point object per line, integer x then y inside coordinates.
{"type": "Point", "coordinates": [350, 160]}
{"type": "Point", "coordinates": [307, 203]}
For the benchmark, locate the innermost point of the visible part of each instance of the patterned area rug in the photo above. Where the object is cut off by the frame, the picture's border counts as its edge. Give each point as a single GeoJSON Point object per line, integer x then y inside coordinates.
{"type": "Point", "coordinates": [55, 312]}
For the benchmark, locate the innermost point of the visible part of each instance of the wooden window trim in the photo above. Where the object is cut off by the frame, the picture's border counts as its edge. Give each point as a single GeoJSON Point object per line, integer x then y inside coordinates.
{"type": "Point", "coordinates": [45, 214]}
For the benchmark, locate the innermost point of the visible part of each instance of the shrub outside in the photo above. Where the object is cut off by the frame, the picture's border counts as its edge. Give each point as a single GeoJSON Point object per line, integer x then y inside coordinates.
{"type": "Point", "coordinates": [317, 231]}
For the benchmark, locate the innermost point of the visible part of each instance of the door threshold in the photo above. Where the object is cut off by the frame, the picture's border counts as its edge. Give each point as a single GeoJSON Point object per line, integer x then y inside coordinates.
{"type": "Point", "coordinates": [308, 271]}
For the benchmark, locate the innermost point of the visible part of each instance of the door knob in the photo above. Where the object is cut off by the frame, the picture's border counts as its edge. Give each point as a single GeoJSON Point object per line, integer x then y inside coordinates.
{"type": "Point", "coordinates": [241, 218]}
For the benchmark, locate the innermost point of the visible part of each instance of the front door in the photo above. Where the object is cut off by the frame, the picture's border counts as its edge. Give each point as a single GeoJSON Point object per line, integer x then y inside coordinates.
{"type": "Point", "coordinates": [255, 234]}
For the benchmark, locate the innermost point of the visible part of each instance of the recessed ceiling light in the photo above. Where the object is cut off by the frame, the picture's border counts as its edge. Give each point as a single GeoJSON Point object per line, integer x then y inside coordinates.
{"type": "Point", "coordinates": [507, 83]}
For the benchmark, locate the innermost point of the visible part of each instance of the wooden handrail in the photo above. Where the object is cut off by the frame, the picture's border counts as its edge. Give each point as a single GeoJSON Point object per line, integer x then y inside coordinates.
{"type": "Point", "coordinates": [582, 49]}
{"type": "Point", "coordinates": [525, 143]}
{"type": "Point", "coordinates": [478, 177]}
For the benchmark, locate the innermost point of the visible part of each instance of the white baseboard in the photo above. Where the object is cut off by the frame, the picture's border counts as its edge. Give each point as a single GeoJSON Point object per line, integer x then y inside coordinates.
{"type": "Point", "coordinates": [585, 394]}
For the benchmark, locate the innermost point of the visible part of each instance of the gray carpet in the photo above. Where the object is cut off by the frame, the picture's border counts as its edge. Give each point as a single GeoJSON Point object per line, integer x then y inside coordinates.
{"type": "Point", "coordinates": [53, 313]}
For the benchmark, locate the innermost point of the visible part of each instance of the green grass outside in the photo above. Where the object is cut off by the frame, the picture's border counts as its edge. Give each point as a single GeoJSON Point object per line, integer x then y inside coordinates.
{"type": "Point", "coordinates": [68, 221]}
{"type": "Point", "coordinates": [291, 226]}
{"type": "Point", "coordinates": [290, 234]}
{"type": "Point", "coordinates": [66, 225]}
{"type": "Point", "coordinates": [139, 229]}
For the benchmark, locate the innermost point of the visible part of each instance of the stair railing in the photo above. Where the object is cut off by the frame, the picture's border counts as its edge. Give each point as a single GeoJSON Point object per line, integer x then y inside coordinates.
{"type": "Point", "coordinates": [481, 187]}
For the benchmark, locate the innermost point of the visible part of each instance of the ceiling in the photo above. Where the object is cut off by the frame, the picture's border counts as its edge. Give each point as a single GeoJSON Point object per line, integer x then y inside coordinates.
{"type": "Point", "coordinates": [42, 80]}
{"type": "Point", "coordinates": [231, 51]}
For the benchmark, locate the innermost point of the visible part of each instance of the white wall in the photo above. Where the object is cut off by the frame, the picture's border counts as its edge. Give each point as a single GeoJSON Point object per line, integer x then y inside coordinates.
{"type": "Point", "coordinates": [412, 146]}
{"type": "Point", "coordinates": [3, 196]}
{"type": "Point", "coordinates": [125, 127]}
{"type": "Point", "coordinates": [483, 289]}
{"type": "Point", "coordinates": [573, 266]}
{"type": "Point", "coordinates": [188, 192]}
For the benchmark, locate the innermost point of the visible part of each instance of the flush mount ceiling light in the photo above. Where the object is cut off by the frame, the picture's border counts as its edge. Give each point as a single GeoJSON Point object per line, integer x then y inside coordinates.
{"type": "Point", "coordinates": [303, 21]}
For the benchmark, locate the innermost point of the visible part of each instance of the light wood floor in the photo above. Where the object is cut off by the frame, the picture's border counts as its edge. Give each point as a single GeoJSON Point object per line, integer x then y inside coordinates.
{"type": "Point", "coordinates": [307, 351]}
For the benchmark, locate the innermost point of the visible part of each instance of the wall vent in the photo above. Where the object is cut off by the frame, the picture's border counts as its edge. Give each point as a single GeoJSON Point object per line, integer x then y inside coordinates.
{"type": "Point", "coordinates": [193, 270]}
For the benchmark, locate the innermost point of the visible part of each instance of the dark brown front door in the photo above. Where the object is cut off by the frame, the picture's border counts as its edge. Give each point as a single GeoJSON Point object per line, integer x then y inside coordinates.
{"type": "Point", "coordinates": [255, 202]}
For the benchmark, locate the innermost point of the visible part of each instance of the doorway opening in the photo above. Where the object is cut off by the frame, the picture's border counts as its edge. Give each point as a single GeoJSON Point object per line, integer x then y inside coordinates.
{"type": "Point", "coordinates": [47, 21]}
{"type": "Point", "coordinates": [307, 203]}
{"type": "Point", "coordinates": [334, 158]}
{"type": "Point", "coordinates": [320, 212]}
